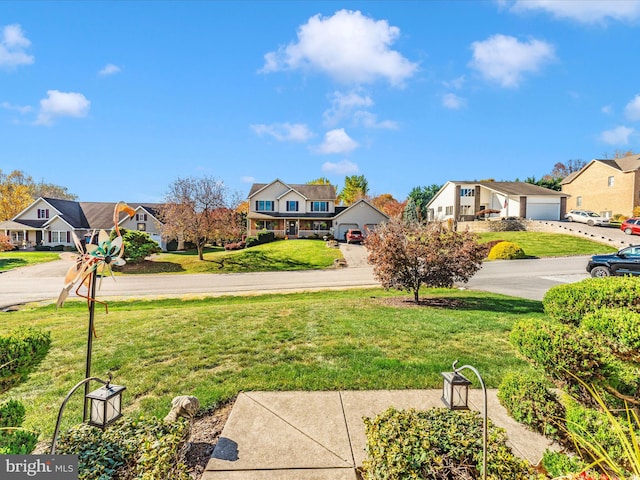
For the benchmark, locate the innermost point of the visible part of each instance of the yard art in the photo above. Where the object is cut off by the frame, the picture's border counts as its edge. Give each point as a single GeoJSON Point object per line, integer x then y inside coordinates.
{"type": "Point", "coordinates": [94, 259]}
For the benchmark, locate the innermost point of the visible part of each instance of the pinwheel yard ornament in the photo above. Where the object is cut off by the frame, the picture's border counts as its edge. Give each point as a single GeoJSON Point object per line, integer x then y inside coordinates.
{"type": "Point", "coordinates": [95, 259]}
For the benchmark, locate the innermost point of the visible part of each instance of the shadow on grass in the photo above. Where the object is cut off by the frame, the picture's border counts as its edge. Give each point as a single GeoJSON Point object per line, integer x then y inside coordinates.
{"type": "Point", "coordinates": [9, 263]}
{"type": "Point", "coordinates": [148, 267]}
{"type": "Point", "coordinates": [259, 261]}
{"type": "Point", "coordinates": [471, 303]}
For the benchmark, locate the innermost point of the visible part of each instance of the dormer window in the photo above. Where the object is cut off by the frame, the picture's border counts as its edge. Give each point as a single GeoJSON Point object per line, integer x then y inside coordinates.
{"type": "Point", "coordinates": [43, 213]}
{"type": "Point", "coordinates": [141, 217]}
{"type": "Point", "coordinates": [292, 206]}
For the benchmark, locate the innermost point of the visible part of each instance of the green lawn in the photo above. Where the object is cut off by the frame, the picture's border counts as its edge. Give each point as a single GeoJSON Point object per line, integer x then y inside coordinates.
{"type": "Point", "coordinates": [539, 244]}
{"type": "Point", "coordinates": [15, 259]}
{"type": "Point", "coordinates": [282, 255]}
{"type": "Point", "coordinates": [215, 348]}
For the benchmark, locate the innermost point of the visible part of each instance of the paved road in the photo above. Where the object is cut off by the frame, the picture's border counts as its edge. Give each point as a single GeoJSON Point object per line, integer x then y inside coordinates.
{"type": "Point", "coordinates": [522, 278]}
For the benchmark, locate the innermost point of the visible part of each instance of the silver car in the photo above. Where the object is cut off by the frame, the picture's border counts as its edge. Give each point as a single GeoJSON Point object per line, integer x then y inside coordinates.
{"type": "Point", "coordinates": [586, 216]}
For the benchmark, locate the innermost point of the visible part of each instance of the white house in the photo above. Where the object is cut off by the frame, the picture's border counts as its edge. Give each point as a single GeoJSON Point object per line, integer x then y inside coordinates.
{"type": "Point", "coordinates": [50, 221]}
{"type": "Point", "coordinates": [469, 200]}
{"type": "Point", "coordinates": [301, 210]}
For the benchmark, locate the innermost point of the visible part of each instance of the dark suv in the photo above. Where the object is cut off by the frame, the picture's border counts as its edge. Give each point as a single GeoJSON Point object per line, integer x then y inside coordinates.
{"type": "Point", "coordinates": [624, 262]}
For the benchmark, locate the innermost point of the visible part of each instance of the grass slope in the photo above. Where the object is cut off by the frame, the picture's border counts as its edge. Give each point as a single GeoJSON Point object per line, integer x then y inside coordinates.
{"type": "Point", "coordinates": [539, 244]}
{"type": "Point", "coordinates": [215, 348]}
{"type": "Point", "coordinates": [15, 259]}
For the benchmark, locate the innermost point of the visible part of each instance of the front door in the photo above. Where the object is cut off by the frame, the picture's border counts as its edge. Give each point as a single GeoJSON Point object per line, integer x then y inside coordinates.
{"type": "Point", "coordinates": [38, 237]}
{"type": "Point", "coordinates": [292, 228]}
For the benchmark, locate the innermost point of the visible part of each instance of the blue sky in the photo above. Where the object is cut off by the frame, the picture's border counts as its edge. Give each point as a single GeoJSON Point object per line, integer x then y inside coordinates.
{"type": "Point", "coordinates": [116, 100]}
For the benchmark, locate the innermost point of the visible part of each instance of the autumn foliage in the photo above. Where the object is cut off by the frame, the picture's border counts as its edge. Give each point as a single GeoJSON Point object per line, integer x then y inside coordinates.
{"type": "Point", "coordinates": [407, 256]}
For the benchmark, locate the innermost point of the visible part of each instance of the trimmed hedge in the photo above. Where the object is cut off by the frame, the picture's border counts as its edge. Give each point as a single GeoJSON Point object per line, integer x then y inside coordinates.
{"type": "Point", "coordinates": [506, 251]}
{"type": "Point", "coordinates": [13, 440]}
{"type": "Point", "coordinates": [142, 448]}
{"type": "Point", "coordinates": [618, 327]}
{"type": "Point", "coordinates": [19, 351]}
{"type": "Point", "coordinates": [528, 400]}
{"type": "Point", "coordinates": [262, 237]}
{"type": "Point", "coordinates": [569, 303]}
{"type": "Point", "coordinates": [435, 444]}
{"type": "Point", "coordinates": [11, 413]}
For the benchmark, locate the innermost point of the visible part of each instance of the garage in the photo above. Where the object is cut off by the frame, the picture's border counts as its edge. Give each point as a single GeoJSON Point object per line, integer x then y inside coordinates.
{"type": "Point", "coordinates": [543, 211]}
{"type": "Point", "coordinates": [342, 230]}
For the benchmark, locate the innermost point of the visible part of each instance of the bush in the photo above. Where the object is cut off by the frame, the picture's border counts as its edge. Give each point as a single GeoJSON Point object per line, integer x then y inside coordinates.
{"type": "Point", "coordinates": [143, 448]}
{"type": "Point", "coordinates": [510, 224]}
{"type": "Point", "coordinates": [138, 246]}
{"type": "Point", "coordinates": [528, 400]}
{"type": "Point", "coordinates": [235, 246]}
{"type": "Point", "coordinates": [492, 243]}
{"type": "Point", "coordinates": [5, 243]}
{"type": "Point", "coordinates": [569, 303]}
{"type": "Point", "coordinates": [558, 464]}
{"type": "Point", "coordinates": [57, 248]}
{"type": "Point", "coordinates": [506, 251]}
{"type": "Point", "coordinates": [435, 444]}
{"type": "Point", "coordinates": [262, 237]}
{"type": "Point", "coordinates": [17, 441]}
{"type": "Point", "coordinates": [11, 413]}
{"type": "Point", "coordinates": [618, 327]}
{"type": "Point", "coordinates": [43, 248]}
{"type": "Point", "coordinates": [19, 351]}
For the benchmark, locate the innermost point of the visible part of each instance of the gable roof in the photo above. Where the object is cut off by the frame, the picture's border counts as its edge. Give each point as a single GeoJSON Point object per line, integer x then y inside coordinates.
{"type": "Point", "coordinates": [630, 163]}
{"type": "Point", "coordinates": [311, 192]}
{"type": "Point", "coordinates": [520, 188]}
{"type": "Point", "coordinates": [362, 200]}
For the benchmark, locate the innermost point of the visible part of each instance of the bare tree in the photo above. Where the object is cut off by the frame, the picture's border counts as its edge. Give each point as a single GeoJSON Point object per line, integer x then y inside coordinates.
{"type": "Point", "coordinates": [195, 210]}
{"type": "Point", "coordinates": [407, 256]}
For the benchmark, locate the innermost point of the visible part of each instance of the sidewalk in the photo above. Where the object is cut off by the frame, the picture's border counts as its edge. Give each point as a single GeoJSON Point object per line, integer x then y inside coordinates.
{"type": "Point", "coordinates": [320, 435]}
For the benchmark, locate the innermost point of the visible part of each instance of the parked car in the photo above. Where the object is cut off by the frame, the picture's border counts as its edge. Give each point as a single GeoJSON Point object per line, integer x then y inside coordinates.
{"type": "Point", "coordinates": [586, 216]}
{"type": "Point", "coordinates": [624, 262]}
{"type": "Point", "coordinates": [354, 236]}
{"type": "Point", "coordinates": [631, 226]}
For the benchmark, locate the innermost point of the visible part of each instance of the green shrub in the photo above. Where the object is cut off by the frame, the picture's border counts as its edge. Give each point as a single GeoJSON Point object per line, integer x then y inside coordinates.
{"type": "Point", "coordinates": [506, 251]}
{"type": "Point", "coordinates": [435, 443]}
{"type": "Point", "coordinates": [43, 248]}
{"type": "Point", "coordinates": [619, 327]}
{"type": "Point", "coordinates": [142, 448]}
{"type": "Point", "coordinates": [262, 237]}
{"type": "Point", "coordinates": [528, 400]}
{"type": "Point", "coordinates": [569, 303]}
{"type": "Point", "coordinates": [19, 351]}
{"type": "Point", "coordinates": [15, 441]}
{"type": "Point", "coordinates": [11, 413]}
{"type": "Point", "coordinates": [558, 464]}
{"type": "Point", "coordinates": [57, 248]}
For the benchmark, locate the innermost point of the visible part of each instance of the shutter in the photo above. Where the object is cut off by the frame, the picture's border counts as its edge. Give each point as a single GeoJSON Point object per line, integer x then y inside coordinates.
{"type": "Point", "coordinates": [49, 236]}
{"type": "Point", "coordinates": [68, 237]}
{"type": "Point", "coordinates": [26, 236]}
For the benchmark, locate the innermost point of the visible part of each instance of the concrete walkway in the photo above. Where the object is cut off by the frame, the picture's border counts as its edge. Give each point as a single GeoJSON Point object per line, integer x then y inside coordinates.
{"type": "Point", "coordinates": [320, 435]}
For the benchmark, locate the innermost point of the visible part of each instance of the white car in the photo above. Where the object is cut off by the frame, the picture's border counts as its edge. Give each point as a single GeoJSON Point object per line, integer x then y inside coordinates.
{"type": "Point", "coordinates": [586, 216]}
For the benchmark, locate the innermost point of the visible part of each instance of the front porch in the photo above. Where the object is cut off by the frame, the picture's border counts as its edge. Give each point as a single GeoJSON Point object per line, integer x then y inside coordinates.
{"type": "Point", "coordinates": [291, 228]}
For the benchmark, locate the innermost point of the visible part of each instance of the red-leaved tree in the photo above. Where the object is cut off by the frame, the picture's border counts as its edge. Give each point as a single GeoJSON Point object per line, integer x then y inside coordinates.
{"type": "Point", "coordinates": [407, 256]}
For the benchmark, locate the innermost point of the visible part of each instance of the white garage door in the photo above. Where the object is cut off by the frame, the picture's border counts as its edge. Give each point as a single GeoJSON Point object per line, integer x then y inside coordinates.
{"type": "Point", "coordinates": [342, 229]}
{"type": "Point", "coordinates": [543, 211]}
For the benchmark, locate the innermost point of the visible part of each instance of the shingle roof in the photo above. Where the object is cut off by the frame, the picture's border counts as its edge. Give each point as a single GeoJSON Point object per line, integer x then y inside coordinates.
{"type": "Point", "coordinates": [313, 192]}
{"type": "Point", "coordinates": [520, 188]}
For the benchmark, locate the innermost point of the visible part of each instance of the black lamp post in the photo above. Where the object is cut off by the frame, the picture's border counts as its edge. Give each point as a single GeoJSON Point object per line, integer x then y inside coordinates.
{"type": "Point", "coordinates": [455, 396]}
{"type": "Point", "coordinates": [106, 405]}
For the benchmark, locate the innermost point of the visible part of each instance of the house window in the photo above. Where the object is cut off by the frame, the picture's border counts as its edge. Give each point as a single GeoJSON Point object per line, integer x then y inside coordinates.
{"type": "Point", "coordinates": [142, 227]}
{"type": "Point", "coordinates": [292, 205]}
{"type": "Point", "coordinates": [439, 208]}
{"type": "Point", "coordinates": [610, 181]}
{"type": "Point", "coordinates": [264, 205]}
{"type": "Point", "coordinates": [320, 226]}
{"type": "Point", "coordinates": [141, 217]}
{"type": "Point", "coordinates": [43, 213]}
{"type": "Point", "coordinates": [465, 209]}
{"type": "Point", "coordinates": [578, 201]}
{"type": "Point", "coordinates": [467, 192]}
{"type": "Point", "coordinates": [319, 206]}
{"type": "Point", "coordinates": [265, 225]}
{"type": "Point", "coordinates": [448, 210]}
{"type": "Point", "coordinates": [58, 237]}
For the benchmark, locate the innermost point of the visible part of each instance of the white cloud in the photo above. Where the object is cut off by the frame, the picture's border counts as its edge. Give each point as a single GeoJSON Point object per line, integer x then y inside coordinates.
{"type": "Point", "coordinates": [349, 47]}
{"type": "Point", "coordinates": [342, 106]}
{"type": "Point", "coordinates": [344, 167]}
{"type": "Point", "coordinates": [585, 11]}
{"type": "Point", "coordinates": [12, 47]}
{"type": "Point", "coordinates": [453, 101]}
{"type": "Point", "coordinates": [504, 59]}
{"type": "Point", "coordinates": [337, 141]}
{"type": "Point", "coordinates": [109, 69]}
{"type": "Point", "coordinates": [247, 179]}
{"type": "Point", "coordinates": [456, 83]}
{"type": "Point", "coordinates": [632, 110]}
{"type": "Point", "coordinates": [607, 109]}
{"type": "Point", "coordinates": [16, 108]}
{"type": "Point", "coordinates": [284, 132]}
{"type": "Point", "coordinates": [617, 136]}
{"type": "Point", "coordinates": [62, 104]}
{"type": "Point", "coordinates": [370, 120]}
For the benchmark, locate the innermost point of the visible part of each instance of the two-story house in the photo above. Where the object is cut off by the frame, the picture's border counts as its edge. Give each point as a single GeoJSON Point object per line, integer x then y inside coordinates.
{"type": "Point", "coordinates": [607, 187]}
{"type": "Point", "coordinates": [50, 221]}
{"type": "Point", "coordinates": [301, 210]}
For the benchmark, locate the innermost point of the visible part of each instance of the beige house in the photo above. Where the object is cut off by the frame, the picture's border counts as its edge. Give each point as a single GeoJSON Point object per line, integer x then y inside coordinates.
{"type": "Point", "coordinates": [50, 221]}
{"type": "Point", "coordinates": [607, 187]}
{"type": "Point", "coordinates": [301, 211]}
